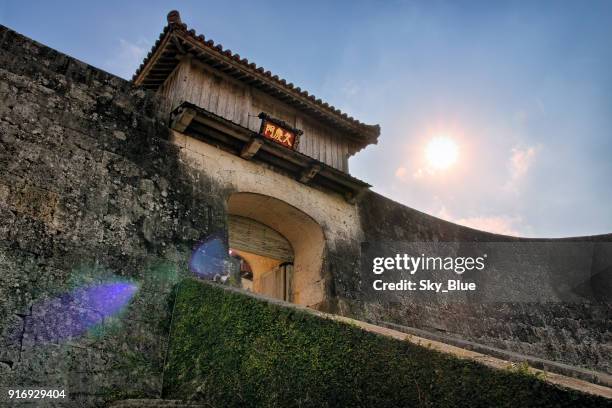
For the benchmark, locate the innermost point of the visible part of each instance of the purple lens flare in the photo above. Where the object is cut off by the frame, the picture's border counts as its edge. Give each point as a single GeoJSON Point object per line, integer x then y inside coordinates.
{"type": "Point", "coordinates": [208, 257]}
{"type": "Point", "coordinates": [72, 314]}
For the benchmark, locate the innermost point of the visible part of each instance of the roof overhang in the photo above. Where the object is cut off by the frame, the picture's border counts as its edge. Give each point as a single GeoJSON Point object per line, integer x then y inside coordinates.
{"type": "Point", "coordinates": [213, 129]}
{"type": "Point", "coordinates": [176, 40]}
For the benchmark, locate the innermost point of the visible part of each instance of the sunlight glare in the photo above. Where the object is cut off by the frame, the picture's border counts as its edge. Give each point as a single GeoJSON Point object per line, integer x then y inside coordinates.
{"type": "Point", "coordinates": [441, 152]}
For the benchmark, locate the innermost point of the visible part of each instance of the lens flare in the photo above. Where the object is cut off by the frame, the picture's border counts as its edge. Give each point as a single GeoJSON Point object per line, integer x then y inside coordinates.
{"type": "Point", "coordinates": [72, 314]}
{"type": "Point", "coordinates": [208, 257]}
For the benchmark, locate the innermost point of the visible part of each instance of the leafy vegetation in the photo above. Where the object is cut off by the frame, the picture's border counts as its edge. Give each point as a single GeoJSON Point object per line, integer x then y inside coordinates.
{"type": "Point", "coordinates": [232, 350]}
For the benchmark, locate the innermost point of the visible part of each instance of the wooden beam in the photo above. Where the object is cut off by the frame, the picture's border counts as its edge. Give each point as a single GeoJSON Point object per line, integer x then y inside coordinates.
{"type": "Point", "coordinates": [252, 147]}
{"type": "Point", "coordinates": [177, 44]}
{"type": "Point", "coordinates": [182, 119]}
{"type": "Point", "coordinates": [232, 129]}
{"type": "Point", "coordinates": [164, 65]}
{"type": "Point", "coordinates": [309, 173]}
{"type": "Point", "coordinates": [157, 75]}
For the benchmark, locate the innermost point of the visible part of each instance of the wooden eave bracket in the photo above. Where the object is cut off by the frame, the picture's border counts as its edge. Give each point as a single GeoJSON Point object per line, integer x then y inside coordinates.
{"type": "Point", "coordinates": [251, 148]}
{"type": "Point", "coordinates": [182, 119]}
{"type": "Point", "coordinates": [309, 173]}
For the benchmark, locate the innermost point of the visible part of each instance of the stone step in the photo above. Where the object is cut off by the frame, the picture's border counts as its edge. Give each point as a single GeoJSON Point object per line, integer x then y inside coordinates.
{"type": "Point", "coordinates": [154, 403]}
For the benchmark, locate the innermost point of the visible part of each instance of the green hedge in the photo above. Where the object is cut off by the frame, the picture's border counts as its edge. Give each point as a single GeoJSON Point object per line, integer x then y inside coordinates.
{"type": "Point", "coordinates": [232, 350]}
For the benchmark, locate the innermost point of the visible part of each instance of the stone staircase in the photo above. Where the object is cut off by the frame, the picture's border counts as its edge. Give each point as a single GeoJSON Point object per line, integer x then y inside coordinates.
{"type": "Point", "coordinates": [154, 403]}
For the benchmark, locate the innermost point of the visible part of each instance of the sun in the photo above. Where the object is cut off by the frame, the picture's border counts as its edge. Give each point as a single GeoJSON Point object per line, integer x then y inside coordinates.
{"type": "Point", "coordinates": [441, 152]}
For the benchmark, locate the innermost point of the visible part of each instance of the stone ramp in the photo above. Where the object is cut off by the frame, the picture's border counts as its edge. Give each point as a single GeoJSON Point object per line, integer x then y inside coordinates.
{"type": "Point", "coordinates": [154, 403]}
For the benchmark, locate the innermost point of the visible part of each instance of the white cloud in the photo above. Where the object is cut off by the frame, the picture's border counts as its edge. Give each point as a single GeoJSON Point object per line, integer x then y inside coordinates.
{"type": "Point", "coordinates": [421, 173]}
{"type": "Point", "coordinates": [401, 173]}
{"type": "Point", "coordinates": [498, 224]}
{"type": "Point", "coordinates": [521, 160]}
{"type": "Point", "coordinates": [127, 57]}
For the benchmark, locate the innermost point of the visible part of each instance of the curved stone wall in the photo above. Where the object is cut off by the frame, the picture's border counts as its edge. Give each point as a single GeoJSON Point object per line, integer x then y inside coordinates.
{"type": "Point", "coordinates": [577, 333]}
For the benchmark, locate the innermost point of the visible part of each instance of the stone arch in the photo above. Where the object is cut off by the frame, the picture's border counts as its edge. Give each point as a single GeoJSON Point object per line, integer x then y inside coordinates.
{"type": "Point", "coordinates": [304, 235]}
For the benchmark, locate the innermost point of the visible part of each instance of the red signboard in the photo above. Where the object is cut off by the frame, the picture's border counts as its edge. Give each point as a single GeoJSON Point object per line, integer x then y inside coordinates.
{"type": "Point", "coordinates": [276, 133]}
{"type": "Point", "coordinates": [274, 130]}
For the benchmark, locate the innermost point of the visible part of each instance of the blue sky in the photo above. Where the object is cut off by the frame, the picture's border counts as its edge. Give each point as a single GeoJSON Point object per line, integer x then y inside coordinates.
{"type": "Point", "coordinates": [523, 88]}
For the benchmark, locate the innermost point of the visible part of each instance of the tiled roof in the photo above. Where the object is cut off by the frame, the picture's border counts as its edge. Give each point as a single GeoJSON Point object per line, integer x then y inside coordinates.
{"type": "Point", "coordinates": [177, 39]}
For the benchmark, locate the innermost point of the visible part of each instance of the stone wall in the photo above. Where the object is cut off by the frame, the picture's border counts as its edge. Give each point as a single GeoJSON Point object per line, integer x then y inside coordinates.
{"type": "Point", "coordinates": [576, 333]}
{"type": "Point", "coordinates": [91, 192]}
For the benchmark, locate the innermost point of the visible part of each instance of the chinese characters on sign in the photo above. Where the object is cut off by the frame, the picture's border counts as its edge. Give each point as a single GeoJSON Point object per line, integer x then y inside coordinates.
{"type": "Point", "coordinates": [277, 133]}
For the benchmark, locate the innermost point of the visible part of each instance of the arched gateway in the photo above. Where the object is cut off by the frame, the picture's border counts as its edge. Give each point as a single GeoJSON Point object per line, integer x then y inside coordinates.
{"type": "Point", "coordinates": [282, 245]}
